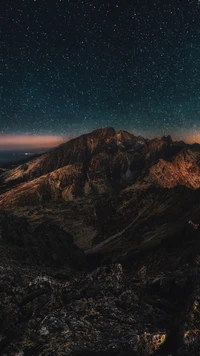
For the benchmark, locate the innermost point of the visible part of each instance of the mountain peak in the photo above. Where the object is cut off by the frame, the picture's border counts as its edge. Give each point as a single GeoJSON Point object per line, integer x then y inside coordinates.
{"type": "Point", "coordinates": [104, 132]}
{"type": "Point", "coordinates": [167, 139]}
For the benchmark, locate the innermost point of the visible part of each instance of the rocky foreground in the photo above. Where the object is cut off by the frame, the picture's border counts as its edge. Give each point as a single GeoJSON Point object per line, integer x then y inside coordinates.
{"type": "Point", "coordinates": [56, 301]}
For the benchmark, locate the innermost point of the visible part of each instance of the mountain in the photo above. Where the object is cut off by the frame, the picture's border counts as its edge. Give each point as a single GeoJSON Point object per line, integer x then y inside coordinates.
{"type": "Point", "coordinates": [100, 162]}
{"type": "Point", "coordinates": [100, 249]}
{"type": "Point", "coordinates": [97, 180]}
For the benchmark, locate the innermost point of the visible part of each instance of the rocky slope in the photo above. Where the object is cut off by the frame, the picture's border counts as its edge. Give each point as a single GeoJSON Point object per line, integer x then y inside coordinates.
{"type": "Point", "coordinates": [182, 170]}
{"type": "Point", "coordinates": [146, 218]}
{"type": "Point", "coordinates": [148, 305]}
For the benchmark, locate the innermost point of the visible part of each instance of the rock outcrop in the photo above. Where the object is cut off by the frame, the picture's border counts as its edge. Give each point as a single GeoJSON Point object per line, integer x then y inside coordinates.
{"type": "Point", "coordinates": [90, 314]}
{"type": "Point", "coordinates": [111, 310]}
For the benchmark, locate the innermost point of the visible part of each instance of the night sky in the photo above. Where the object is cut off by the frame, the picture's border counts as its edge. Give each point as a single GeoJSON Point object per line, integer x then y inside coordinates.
{"type": "Point", "coordinates": [69, 66]}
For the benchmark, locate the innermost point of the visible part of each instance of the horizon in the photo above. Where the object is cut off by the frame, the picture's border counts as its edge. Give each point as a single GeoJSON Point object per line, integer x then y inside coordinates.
{"type": "Point", "coordinates": [36, 143]}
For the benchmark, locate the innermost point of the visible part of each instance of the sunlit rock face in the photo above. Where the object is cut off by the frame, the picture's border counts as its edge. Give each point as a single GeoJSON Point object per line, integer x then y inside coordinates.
{"type": "Point", "coordinates": [182, 170]}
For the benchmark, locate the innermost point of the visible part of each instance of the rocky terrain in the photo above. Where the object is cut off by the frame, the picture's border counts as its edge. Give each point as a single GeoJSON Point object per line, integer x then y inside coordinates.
{"type": "Point", "coordinates": [100, 249]}
{"type": "Point", "coordinates": [56, 301]}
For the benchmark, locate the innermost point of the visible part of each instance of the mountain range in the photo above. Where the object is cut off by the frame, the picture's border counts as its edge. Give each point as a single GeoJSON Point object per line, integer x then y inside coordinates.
{"type": "Point", "coordinates": [114, 206]}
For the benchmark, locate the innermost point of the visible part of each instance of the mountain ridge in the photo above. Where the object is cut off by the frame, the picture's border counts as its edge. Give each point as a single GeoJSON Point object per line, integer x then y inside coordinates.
{"type": "Point", "coordinates": [96, 152]}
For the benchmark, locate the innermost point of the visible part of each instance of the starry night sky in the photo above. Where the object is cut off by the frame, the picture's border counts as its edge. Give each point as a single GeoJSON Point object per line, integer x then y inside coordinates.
{"type": "Point", "coordinates": [70, 66]}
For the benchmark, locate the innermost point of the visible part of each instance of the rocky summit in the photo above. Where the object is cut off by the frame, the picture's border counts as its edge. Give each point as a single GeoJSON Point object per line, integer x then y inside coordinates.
{"type": "Point", "coordinates": [100, 249]}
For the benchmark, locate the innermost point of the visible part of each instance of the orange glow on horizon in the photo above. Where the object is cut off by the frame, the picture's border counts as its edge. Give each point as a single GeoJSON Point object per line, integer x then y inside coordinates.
{"type": "Point", "coordinates": [30, 141]}
{"type": "Point", "coordinates": [21, 142]}
{"type": "Point", "coordinates": [192, 138]}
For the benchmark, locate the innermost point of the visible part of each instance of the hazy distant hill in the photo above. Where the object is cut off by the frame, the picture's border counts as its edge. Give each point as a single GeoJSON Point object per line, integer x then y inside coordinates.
{"type": "Point", "coordinates": [8, 159]}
